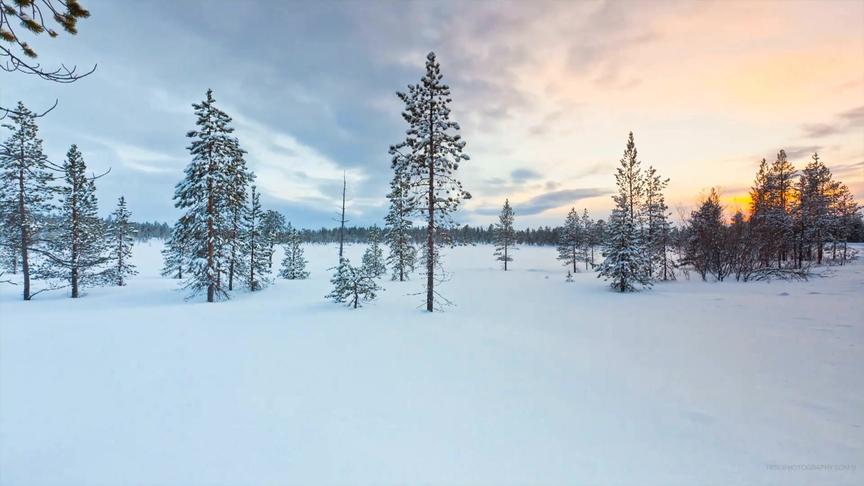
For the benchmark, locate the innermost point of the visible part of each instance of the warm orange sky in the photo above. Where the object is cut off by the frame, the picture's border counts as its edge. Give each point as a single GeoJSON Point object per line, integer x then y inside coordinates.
{"type": "Point", "coordinates": [545, 92]}
{"type": "Point", "coordinates": [709, 88]}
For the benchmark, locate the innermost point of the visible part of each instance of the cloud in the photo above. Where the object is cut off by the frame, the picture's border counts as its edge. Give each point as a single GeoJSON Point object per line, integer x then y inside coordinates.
{"type": "Point", "coordinates": [844, 122]}
{"type": "Point", "coordinates": [288, 169]}
{"type": "Point", "coordinates": [795, 152]}
{"type": "Point", "coordinates": [549, 200]}
{"type": "Point", "coordinates": [523, 175]}
{"type": "Point", "coordinates": [140, 159]}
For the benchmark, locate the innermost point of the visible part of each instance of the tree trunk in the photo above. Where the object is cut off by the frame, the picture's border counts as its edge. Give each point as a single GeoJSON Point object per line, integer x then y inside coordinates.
{"type": "Point", "coordinates": [430, 228]}
{"type": "Point", "coordinates": [75, 237]}
{"type": "Point", "coordinates": [25, 235]}
{"type": "Point", "coordinates": [211, 288]}
{"type": "Point", "coordinates": [505, 256]}
{"type": "Point", "coordinates": [342, 219]}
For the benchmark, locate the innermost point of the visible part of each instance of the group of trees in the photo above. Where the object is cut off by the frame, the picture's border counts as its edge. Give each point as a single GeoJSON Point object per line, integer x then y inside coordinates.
{"type": "Point", "coordinates": [223, 234]}
{"type": "Point", "coordinates": [578, 238]}
{"type": "Point", "coordinates": [638, 234]}
{"type": "Point", "coordinates": [795, 218]}
{"type": "Point", "coordinates": [51, 229]}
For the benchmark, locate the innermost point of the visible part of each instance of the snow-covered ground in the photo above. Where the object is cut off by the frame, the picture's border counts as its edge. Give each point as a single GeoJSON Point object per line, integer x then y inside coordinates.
{"type": "Point", "coordinates": [526, 380]}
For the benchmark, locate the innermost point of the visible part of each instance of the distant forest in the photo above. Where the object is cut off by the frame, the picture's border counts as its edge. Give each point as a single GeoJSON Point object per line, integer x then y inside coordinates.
{"type": "Point", "coordinates": [462, 235]}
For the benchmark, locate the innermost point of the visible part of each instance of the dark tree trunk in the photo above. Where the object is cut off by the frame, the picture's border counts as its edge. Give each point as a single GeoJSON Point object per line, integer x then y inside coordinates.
{"type": "Point", "coordinates": [211, 288]}
{"type": "Point", "coordinates": [430, 228]}
{"type": "Point", "coordinates": [342, 219]}
{"type": "Point", "coordinates": [75, 238]}
{"type": "Point", "coordinates": [25, 235]}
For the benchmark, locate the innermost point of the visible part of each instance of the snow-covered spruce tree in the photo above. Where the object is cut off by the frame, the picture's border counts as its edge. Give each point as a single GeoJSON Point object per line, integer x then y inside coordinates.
{"type": "Point", "coordinates": [398, 225]}
{"type": "Point", "coordinates": [706, 245]}
{"type": "Point", "coordinates": [570, 240]}
{"type": "Point", "coordinates": [433, 154]}
{"type": "Point", "coordinates": [177, 251]}
{"type": "Point", "coordinates": [373, 257]}
{"type": "Point", "coordinates": [505, 235]}
{"type": "Point", "coordinates": [813, 220]}
{"type": "Point", "coordinates": [293, 264]}
{"type": "Point", "coordinates": [759, 206]}
{"type": "Point", "coordinates": [625, 261]}
{"type": "Point", "coordinates": [121, 238]}
{"type": "Point", "coordinates": [78, 250]}
{"type": "Point", "coordinates": [657, 226]}
{"type": "Point", "coordinates": [255, 245]}
{"type": "Point", "coordinates": [25, 198]}
{"type": "Point", "coordinates": [273, 225]}
{"type": "Point", "coordinates": [203, 195]}
{"type": "Point", "coordinates": [352, 285]}
{"type": "Point", "coordinates": [781, 197]}
{"type": "Point", "coordinates": [240, 178]}
{"type": "Point", "coordinates": [588, 239]}
{"type": "Point", "coordinates": [847, 214]}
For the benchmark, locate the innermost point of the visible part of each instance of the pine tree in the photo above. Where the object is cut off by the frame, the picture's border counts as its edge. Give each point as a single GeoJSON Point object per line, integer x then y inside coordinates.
{"type": "Point", "coordinates": [203, 195]}
{"type": "Point", "coordinates": [657, 226]}
{"type": "Point", "coordinates": [505, 236]}
{"type": "Point", "coordinates": [255, 245]}
{"type": "Point", "coordinates": [570, 241]}
{"type": "Point", "coordinates": [781, 196]}
{"type": "Point", "coordinates": [705, 247]}
{"type": "Point", "coordinates": [77, 252]}
{"type": "Point", "coordinates": [352, 285]}
{"type": "Point", "coordinates": [25, 198]}
{"type": "Point", "coordinates": [177, 251]}
{"type": "Point", "coordinates": [588, 239]}
{"type": "Point", "coordinates": [121, 238]}
{"type": "Point", "coordinates": [293, 264]}
{"type": "Point", "coordinates": [239, 179]}
{"type": "Point", "coordinates": [403, 255]}
{"type": "Point", "coordinates": [813, 219]}
{"type": "Point", "coordinates": [759, 209]}
{"type": "Point", "coordinates": [434, 152]}
{"type": "Point", "coordinates": [273, 226]}
{"type": "Point", "coordinates": [846, 214]}
{"type": "Point", "coordinates": [625, 260]}
{"type": "Point", "coordinates": [373, 258]}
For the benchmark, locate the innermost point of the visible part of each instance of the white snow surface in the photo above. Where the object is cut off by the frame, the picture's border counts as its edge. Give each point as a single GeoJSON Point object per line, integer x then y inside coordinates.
{"type": "Point", "coordinates": [527, 379]}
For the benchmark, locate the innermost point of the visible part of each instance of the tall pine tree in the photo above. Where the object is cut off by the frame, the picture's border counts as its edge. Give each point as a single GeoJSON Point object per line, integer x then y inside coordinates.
{"type": "Point", "coordinates": [657, 226]}
{"type": "Point", "coordinates": [398, 225]}
{"type": "Point", "coordinates": [434, 153]}
{"type": "Point", "coordinates": [25, 180]}
{"type": "Point", "coordinates": [77, 252]}
{"type": "Point", "coordinates": [570, 239]}
{"type": "Point", "coordinates": [256, 245]}
{"type": "Point", "coordinates": [373, 258]}
{"type": "Point", "coordinates": [625, 261]}
{"type": "Point", "coordinates": [239, 178]}
{"type": "Point", "coordinates": [121, 238]}
{"type": "Point", "coordinates": [203, 196]}
{"type": "Point", "coordinates": [505, 235]}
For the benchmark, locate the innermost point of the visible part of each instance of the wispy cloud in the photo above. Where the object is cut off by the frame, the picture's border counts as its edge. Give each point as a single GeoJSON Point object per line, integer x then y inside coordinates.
{"type": "Point", "coordinates": [842, 123]}
{"type": "Point", "coordinates": [548, 200]}
{"type": "Point", "coordinates": [140, 159]}
{"type": "Point", "coordinates": [522, 175]}
{"type": "Point", "coordinates": [289, 170]}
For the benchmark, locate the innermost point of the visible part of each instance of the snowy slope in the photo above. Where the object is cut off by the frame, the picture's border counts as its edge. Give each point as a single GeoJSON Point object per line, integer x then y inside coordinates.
{"type": "Point", "coordinates": [526, 380]}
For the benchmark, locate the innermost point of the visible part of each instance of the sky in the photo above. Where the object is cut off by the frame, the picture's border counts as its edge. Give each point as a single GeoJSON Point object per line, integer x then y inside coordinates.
{"type": "Point", "coordinates": [545, 93]}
